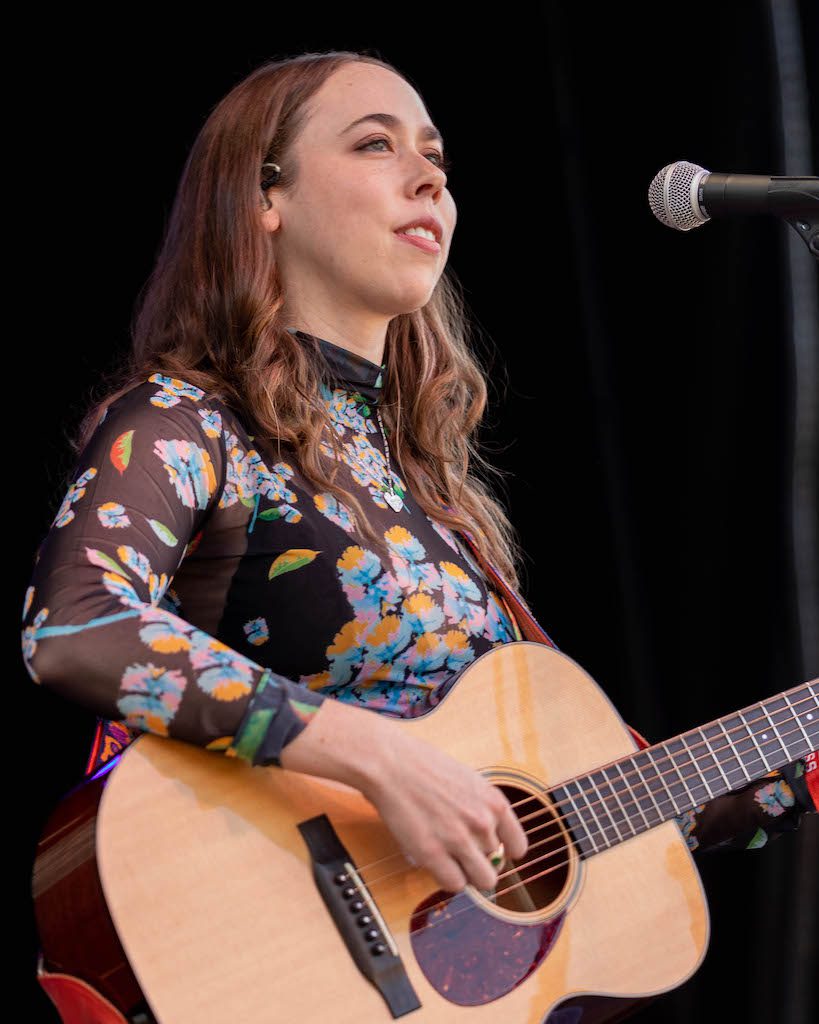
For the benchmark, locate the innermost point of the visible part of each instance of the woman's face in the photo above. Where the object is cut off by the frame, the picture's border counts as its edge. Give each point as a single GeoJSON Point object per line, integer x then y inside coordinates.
{"type": "Point", "coordinates": [335, 235]}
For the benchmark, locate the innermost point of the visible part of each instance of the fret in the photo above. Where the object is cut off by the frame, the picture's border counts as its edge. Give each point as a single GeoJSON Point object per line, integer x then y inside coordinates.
{"type": "Point", "coordinates": [632, 791]}
{"type": "Point", "coordinates": [798, 721]}
{"type": "Point", "coordinates": [771, 749]}
{"type": "Point", "coordinates": [683, 791]}
{"type": "Point", "coordinates": [611, 811]}
{"type": "Point", "coordinates": [645, 781]}
{"type": "Point", "coordinates": [752, 738]}
{"type": "Point", "coordinates": [782, 716]}
{"type": "Point", "coordinates": [611, 779]}
{"type": "Point", "coordinates": [814, 726]}
{"type": "Point", "coordinates": [585, 841]}
{"type": "Point", "coordinates": [745, 771]}
{"type": "Point", "coordinates": [694, 786]}
{"type": "Point", "coordinates": [702, 760]}
{"type": "Point", "coordinates": [660, 777]}
{"type": "Point", "coordinates": [593, 815]}
{"type": "Point", "coordinates": [627, 797]}
{"type": "Point", "coordinates": [727, 761]}
{"type": "Point", "coordinates": [776, 732]}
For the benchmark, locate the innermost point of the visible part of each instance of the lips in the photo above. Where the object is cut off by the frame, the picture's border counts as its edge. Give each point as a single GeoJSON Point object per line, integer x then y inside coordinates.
{"type": "Point", "coordinates": [430, 223]}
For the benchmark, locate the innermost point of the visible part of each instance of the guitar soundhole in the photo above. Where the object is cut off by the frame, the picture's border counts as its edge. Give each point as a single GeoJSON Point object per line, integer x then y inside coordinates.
{"type": "Point", "coordinates": [538, 879]}
{"type": "Point", "coordinates": [466, 950]}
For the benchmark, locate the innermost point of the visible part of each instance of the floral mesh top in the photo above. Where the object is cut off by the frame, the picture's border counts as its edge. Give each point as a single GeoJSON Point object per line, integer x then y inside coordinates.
{"type": "Point", "coordinates": [193, 584]}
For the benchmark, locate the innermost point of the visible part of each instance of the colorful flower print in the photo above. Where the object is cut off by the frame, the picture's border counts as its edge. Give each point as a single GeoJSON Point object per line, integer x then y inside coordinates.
{"type": "Point", "coordinates": [460, 653]}
{"type": "Point", "coordinates": [113, 516]}
{"type": "Point", "coordinates": [407, 553]}
{"type": "Point", "coordinates": [139, 564]}
{"type": "Point", "coordinates": [165, 632]}
{"type": "Point", "coordinates": [343, 409]}
{"type": "Point", "coordinates": [498, 627]}
{"type": "Point", "coordinates": [387, 638]}
{"type": "Point", "coordinates": [459, 590]}
{"type": "Point", "coordinates": [257, 632]}
{"type": "Point", "coordinates": [357, 568]}
{"type": "Point", "coordinates": [223, 673]}
{"type": "Point", "coordinates": [211, 422]}
{"type": "Point", "coordinates": [446, 534]}
{"type": "Point", "coordinates": [29, 641]}
{"type": "Point", "coordinates": [775, 798]}
{"type": "Point", "coordinates": [425, 656]}
{"type": "Point", "coordinates": [687, 822]}
{"type": "Point", "coordinates": [344, 653]}
{"type": "Point", "coordinates": [335, 510]}
{"type": "Point", "coordinates": [173, 391]}
{"type": "Point", "coordinates": [65, 513]}
{"type": "Point", "coordinates": [248, 478]}
{"type": "Point", "coordinates": [190, 470]}
{"type": "Point", "coordinates": [152, 698]}
{"type": "Point", "coordinates": [368, 467]}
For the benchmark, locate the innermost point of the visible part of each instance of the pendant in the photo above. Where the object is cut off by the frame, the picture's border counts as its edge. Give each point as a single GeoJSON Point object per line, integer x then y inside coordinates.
{"type": "Point", "coordinates": [393, 500]}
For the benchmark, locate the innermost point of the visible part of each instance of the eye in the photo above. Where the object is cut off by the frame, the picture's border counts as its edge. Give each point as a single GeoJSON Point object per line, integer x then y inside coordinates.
{"type": "Point", "coordinates": [443, 162]}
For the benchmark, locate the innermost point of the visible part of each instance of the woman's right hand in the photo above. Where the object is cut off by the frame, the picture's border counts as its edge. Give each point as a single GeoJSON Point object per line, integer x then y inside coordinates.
{"type": "Point", "coordinates": [443, 813]}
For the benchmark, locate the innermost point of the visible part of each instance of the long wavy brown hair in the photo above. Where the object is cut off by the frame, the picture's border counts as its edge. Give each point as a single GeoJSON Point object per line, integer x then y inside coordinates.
{"type": "Point", "coordinates": [211, 313]}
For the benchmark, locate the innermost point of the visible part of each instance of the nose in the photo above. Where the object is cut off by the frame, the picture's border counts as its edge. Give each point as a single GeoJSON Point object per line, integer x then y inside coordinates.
{"type": "Point", "coordinates": [431, 178]}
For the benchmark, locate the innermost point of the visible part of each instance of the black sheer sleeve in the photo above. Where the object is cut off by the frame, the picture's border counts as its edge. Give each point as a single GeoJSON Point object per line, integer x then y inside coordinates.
{"type": "Point", "coordinates": [99, 626]}
{"type": "Point", "coordinates": [752, 816]}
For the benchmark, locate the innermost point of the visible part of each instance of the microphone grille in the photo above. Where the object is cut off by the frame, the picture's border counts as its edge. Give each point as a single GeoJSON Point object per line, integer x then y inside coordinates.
{"type": "Point", "coordinates": [672, 196]}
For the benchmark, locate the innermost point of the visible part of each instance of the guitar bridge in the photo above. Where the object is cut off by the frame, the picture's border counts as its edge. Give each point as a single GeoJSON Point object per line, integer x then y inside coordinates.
{"type": "Point", "coordinates": [357, 917]}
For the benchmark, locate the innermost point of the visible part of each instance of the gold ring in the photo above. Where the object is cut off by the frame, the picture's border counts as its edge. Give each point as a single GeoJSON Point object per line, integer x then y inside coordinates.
{"type": "Point", "coordinates": [496, 857]}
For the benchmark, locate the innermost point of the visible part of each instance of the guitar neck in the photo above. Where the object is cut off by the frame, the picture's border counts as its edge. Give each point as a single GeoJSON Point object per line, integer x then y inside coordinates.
{"type": "Point", "coordinates": [640, 791]}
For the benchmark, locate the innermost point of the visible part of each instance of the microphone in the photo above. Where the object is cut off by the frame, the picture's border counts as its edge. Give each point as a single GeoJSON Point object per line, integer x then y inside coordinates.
{"type": "Point", "coordinates": [684, 196]}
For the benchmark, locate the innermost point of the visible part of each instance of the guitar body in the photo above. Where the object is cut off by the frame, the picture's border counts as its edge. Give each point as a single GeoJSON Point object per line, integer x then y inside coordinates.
{"type": "Point", "coordinates": [211, 885]}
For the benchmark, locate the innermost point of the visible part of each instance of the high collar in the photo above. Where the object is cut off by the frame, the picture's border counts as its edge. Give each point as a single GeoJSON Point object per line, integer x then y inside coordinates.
{"type": "Point", "coordinates": [348, 370]}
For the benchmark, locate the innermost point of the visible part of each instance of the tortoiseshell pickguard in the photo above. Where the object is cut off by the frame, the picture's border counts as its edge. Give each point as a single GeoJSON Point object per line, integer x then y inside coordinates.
{"type": "Point", "coordinates": [471, 957]}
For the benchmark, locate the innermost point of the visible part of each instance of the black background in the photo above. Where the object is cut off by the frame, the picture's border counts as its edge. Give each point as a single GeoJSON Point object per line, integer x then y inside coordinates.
{"type": "Point", "coordinates": [642, 378]}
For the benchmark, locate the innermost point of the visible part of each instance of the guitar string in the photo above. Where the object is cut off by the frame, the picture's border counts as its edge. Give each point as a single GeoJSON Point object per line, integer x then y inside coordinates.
{"type": "Point", "coordinates": [495, 894]}
{"type": "Point", "coordinates": [601, 830]}
{"type": "Point", "coordinates": [637, 771]}
{"type": "Point", "coordinates": [555, 819]}
{"type": "Point", "coordinates": [552, 819]}
{"type": "Point", "coordinates": [558, 817]}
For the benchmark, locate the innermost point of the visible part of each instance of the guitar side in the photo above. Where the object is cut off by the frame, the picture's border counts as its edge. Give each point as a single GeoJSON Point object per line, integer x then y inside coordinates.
{"type": "Point", "coordinates": [211, 888]}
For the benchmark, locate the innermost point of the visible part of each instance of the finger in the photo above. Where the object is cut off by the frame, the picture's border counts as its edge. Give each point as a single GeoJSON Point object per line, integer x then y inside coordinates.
{"type": "Point", "coordinates": [512, 834]}
{"type": "Point", "coordinates": [477, 867]}
{"type": "Point", "coordinates": [443, 867]}
{"type": "Point", "coordinates": [448, 874]}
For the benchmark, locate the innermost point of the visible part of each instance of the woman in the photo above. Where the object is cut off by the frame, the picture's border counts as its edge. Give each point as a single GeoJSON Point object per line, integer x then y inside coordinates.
{"type": "Point", "coordinates": [277, 502]}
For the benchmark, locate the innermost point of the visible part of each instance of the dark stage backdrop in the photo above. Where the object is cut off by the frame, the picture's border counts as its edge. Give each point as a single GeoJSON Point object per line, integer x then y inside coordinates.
{"type": "Point", "coordinates": [642, 378]}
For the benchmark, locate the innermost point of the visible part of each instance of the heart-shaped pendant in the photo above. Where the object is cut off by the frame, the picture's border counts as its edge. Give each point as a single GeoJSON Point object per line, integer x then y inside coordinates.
{"type": "Point", "coordinates": [393, 500]}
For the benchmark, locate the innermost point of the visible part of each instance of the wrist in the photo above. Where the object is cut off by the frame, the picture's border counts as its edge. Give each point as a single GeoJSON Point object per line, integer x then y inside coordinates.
{"type": "Point", "coordinates": [343, 743]}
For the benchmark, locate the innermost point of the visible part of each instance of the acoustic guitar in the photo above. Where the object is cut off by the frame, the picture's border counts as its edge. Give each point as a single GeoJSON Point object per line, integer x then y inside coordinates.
{"type": "Point", "coordinates": [261, 896]}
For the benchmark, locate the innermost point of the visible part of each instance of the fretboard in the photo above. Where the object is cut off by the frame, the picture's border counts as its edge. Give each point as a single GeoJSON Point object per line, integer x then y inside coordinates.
{"type": "Point", "coordinates": [638, 792]}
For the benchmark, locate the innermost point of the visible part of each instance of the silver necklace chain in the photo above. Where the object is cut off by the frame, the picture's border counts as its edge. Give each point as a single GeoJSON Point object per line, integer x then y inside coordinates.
{"type": "Point", "coordinates": [390, 496]}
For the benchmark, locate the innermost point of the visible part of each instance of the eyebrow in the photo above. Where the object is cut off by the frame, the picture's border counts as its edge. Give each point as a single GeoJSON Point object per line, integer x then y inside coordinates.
{"type": "Point", "coordinates": [429, 131]}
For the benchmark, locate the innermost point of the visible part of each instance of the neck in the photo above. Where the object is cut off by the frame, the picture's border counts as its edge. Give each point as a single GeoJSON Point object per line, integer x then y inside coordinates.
{"type": "Point", "coordinates": [365, 339]}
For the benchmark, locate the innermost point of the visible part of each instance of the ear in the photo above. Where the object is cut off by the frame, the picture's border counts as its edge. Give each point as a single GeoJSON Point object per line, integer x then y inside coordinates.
{"type": "Point", "coordinates": [270, 214]}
